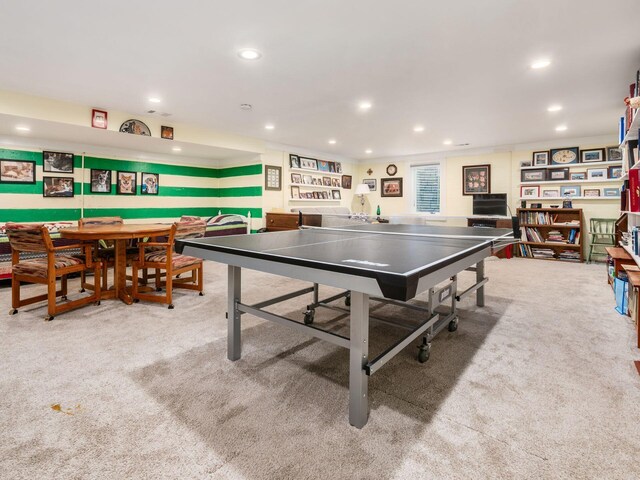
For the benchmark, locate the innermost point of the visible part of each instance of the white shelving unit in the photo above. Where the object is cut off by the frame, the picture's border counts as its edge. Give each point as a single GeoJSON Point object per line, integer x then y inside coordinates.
{"type": "Point", "coordinates": [576, 165]}
{"type": "Point", "coordinates": [560, 199]}
{"type": "Point", "coordinates": [314, 172]}
{"type": "Point", "coordinates": [632, 134]}
{"type": "Point", "coordinates": [551, 182]}
{"type": "Point", "coordinates": [313, 200]}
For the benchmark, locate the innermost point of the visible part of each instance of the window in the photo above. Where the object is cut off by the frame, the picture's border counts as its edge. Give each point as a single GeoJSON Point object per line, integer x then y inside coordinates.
{"type": "Point", "coordinates": [426, 188]}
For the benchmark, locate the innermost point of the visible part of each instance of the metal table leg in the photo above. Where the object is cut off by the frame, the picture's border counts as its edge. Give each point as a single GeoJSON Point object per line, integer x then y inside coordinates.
{"type": "Point", "coordinates": [479, 278]}
{"type": "Point", "coordinates": [358, 359]}
{"type": "Point", "coordinates": [233, 314]}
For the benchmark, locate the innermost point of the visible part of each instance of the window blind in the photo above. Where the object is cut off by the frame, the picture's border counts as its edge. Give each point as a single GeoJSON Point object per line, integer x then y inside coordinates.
{"type": "Point", "coordinates": [427, 188]}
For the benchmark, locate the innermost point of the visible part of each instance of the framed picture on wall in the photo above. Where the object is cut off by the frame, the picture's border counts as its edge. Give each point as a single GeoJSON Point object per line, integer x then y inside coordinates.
{"type": "Point", "coordinates": [57, 162]}
{"type": "Point", "coordinates": [529, 191]}
{"type": "Point", "coordinates": [533, 175]}
{"type": "Point", "coordinates": [100, 181]}
{"type": "Point", "coordinates": [57, 186]}
{"type": "Point", "coordinates": [476, 179]}
{"type": "Point", "coordinates": [571, 190]}
{"type": "Point", "coordinates": [614, 154]}
{"type": "Point", "coordinates": [126, 183]}
{"type": "Point", "coordinates": [294, 161]}
{"type": "Point", "coordinates": [558, 174]}
{"type": "Point", "coordinates": [295, 193]}
{"type": "Point", "coordinates": [166, 132]}
{"type": "Point", "coordinates": [346, 181]}
{"type": "Point", "coordinates": [17, 171]}
{"type": "Point", "coordinates": [371, 183]}
{"type": "Point", "coordinates": [308, 163]}
{"type": "Point", "coordinates": [335, 194]}
{"type": "Point", "coordinates": [272, 177]}
{"type": "Point", "coordinates": [592, 155]}
{"type": "Point", "coordinates": [541, 158]}
{"type": "Point", "coordinates": [614, 172]}
{"type": "Point", "coordinates": [98, 118]}
{"type": "Point", "coordinates": [150, 184]}
{"type": "Point", "coordinates": [391, 187]}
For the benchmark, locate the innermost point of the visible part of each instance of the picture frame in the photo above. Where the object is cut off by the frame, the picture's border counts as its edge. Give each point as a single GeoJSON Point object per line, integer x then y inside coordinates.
{"type": "Point", "coordinates": [554, 193]}
{"type": "Point", "coordinates": [336, 182]}
{"type": "Point", "coordinates": [611, 192]}
{"type": "Point", "coordinates": [100, 180]}
{"type": "Point", "coordinates": [307, 179]}
{"type": "Point", "coordinates": [540, 158]}
{"type": "Point", "coordinates": [391, 187]}
{"type": "Point", "coordinates": [294, 161]}
{"type": "Point", "coordinates": [529, 191]}
{"type": "Point", "coordinates": [592, 155]}
{"type": "Point", "coordinates": [578, 176]}
{"type": "Point", "coordinates": [614, 154]}
{"type": "Point", "coordinates": [326, 181]}
{"type": "Point", "coordinates": [614, 172]}
{"type": "Point", "coordinates": [564, 156]}
{"type": "Point", "coordinates": [166, 132]}
{"type": "Point", "coordinates": [272, 177]}
{"type": "Point", "coordinates": [316, 195]}
{"type": "Point", "coordinates": [596, 174]}
{"type": "Point", "coordinates": [526, 163]}
{"type": "Point", "coordinates": [59, 187]}
{"type": "Point", "coordinates": [57, 162]}
{"type": "Point", "coordinates": [316, 181]}
{"type": "Point", "coordinates": [126, 182]}
{"type": "Point", "coordinates": [476, 179]}
{"type": "Point", "coordinates": [135, 127]}
{"type": "Point", "coordinates": [98, 119]}
{"type": "Point", "coordinates": [571, 190]}
{"type": "Point", "coordinates": [296, 178]}
{"type": "Point", "coordinates": [325, 195]}
{"type": "Point", "coordinates": [332, 167]}
{"type": "Point", "coordinates": [323, 166]}
{"type": "Point", "coordinates": [591, 192]}
{"type": "Point", "coordinates": [533, 175]}
{"type": "Point", "coordinates": [338, 167]}
{"type": "Point", "coordinates": [17, 171]}
{"type": "Point", "coordinates": [558, 174]}
{"type": "Point", "coordinates": [308, 163]}
{"type": "Point", "coordinates": [149, 183]}
{"type": "Point", "coordinates": [295, 193]}
{"type": "Point", "coordinates": [372, 183]}
{"type": "Point", "coordinates": [346, 182]}
{"type": "Point", "coordinates": [335, 194]}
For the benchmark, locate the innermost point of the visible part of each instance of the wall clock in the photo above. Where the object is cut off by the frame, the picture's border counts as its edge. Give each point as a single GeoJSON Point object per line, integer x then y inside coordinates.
{"type": "Point", "coordinates": [564, 156]}
{"type": "Point", "coordinates": [392, 170]}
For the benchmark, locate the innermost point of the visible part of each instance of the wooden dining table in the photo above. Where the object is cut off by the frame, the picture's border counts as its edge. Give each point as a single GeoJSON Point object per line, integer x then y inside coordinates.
{"type": "Point", "coordinates": [120, 234]}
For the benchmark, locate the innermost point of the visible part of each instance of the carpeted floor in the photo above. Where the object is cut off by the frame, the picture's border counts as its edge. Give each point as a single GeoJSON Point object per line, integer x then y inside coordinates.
{"type": "Point", "coordinates": [538, 384]}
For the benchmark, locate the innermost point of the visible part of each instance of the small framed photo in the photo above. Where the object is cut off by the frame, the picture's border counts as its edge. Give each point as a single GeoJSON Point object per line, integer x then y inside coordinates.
{"type": "Point", "coordinates": [533, 175]}
{"type": "Point", "coordinates": [150, 184]}
{"type": "Point", "coordinates": [540, 158]}
{"type": "Point", "coordinates": [335, 182]}
{"type": "Point", "coordinates": [294, 161]}
{"type": "Point", "coordinates": [295, 193]}
{"type": "Point", "coordinates": [325, 195]}
{"type": "Point", "coordinates": [371, 183]}
{"type": "Point", "coordinates": [476, 179]}
{"type": "Point", "coordinates": [593, 155]}
{"type": "Point", "coordinates": [326, 181]}
{"type": "Point", "coordinates": [316, 195]}
{"type": "Point", "coordinates": [323, 166]}
{"type": "Point", "coordinates": [338, 167]}
{"type": "Point", "coordinates": [308, 163]}
{"type": "Point", "coordinates": [529, 191]}
{"type": "Point", "coordinates": [346, 182]}
{"type": "Point", "coordinates": [332, 167]}
{"type": "Point", "coordinates": [336, 194]}
{"type": "Point", "coordinates": [564, 156]}
{"type": "Point", "coordinates": [614, 172]}
{"type": "Point", "coordinates": [578, 176]}
{"type": "Point", "coordinates": [558, 174]}
{"type": "Point", "coordinates": [100, 181]}
{"type": "Point", "coordinates": [17, 171]}
{"type": "Point", "coordinates": [526, 163]}
{"type": "Point", "coordinates": [596, 174]}
{"type": "Point", "coordinates": [571, 190]}
{"type": "Point", "coordinates": [316, 181]}
{"type": "Point", "coordinates": [272, 177]}
{"type": "Point", "coordinates": [57, 162]}
{"type": "Point", "coordinates": [611, 192]}
{"type": "Point", "coordinates": [307, 179]}
{"type": "Point", "coordinates": [57, 186]}
{"type": "Point", "coordinates": [551, 193]}
{"type": "Point", "coordinates": [98, 118]}
{"type": "Point", "coordinates": [614, 154]}
{"type": "Point", "coordinates": [591, 192]}
{"type": "Point", "coordinates": [391, 187]}
{"type": "Point", "coordinates": [166, 132]}
{"type": "Point", "coordinates": [126, 183]}
{"type": "Point", "coordinates": [296, 178]}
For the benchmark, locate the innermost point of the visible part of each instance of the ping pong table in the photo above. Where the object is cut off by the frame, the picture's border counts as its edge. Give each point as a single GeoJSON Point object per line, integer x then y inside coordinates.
{"type": "Point", "coordinates": [392, 263]}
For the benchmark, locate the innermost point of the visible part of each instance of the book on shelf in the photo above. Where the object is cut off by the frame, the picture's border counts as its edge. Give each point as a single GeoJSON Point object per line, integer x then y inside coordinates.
{"type": "Point", "coordinates": [633, 192]}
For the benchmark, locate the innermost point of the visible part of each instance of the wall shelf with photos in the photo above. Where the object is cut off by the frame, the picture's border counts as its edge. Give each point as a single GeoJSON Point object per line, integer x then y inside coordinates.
{"type": "Point", "coordinates": [313, 200]}
{"type": "Point", "coordinates": [562, 182]}
{"type": "Point", "coordinates": [316, 172]}
{"type": "Point", "coordinates": [575, 165]}
{"type": "Point", "coordinates": [560, 199]}
{"type": "Point", "coordinates": [312, 180]}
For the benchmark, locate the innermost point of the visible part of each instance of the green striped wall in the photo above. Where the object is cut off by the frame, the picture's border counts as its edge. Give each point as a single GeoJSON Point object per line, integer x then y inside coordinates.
{"type": "Point", "coordinates": [183, 190]}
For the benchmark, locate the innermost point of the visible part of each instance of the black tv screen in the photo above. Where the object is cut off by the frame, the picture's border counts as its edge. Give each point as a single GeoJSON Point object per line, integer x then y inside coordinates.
{"type": "Point", "coordinates": [490, 204]}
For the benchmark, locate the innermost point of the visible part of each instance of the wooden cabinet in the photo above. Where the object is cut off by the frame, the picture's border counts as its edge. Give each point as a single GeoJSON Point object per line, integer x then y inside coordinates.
{"type": "Point", "coordinates": [492, 222]}
{"type": "Point", "coordinates": [289, 221]}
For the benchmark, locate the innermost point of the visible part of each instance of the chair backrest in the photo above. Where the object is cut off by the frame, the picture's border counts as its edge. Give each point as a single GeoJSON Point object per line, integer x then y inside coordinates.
{"type": "Point", "coordinates": [93, 221]}
{"type": "Point", "coordinates": [28, 237]}
{"type": "Point", "coordinates": [602, 226]}
{"type": "Point", "coordinates": [190, 227]}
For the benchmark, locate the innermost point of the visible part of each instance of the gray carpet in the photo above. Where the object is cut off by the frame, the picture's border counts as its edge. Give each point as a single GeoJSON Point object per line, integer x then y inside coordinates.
{"type": "Point", "coordinates": [538, 384]}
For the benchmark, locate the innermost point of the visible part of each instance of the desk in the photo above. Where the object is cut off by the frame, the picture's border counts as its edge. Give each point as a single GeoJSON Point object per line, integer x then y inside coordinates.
{"type": "Point", "coordinates": [278, 221]}
{"type": "Point", "coordinates": [620, 257]}
{"type": "Point", "coordinates": [120, 234]}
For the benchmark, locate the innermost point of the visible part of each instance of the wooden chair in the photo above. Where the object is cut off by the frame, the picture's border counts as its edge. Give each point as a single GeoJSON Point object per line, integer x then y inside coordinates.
{"type": "Point", "coordinates": [602, 232]}
{"type": "Point", "coordinates": [45, 270]}
{"type": "Point", "coordinates": [161, 256]}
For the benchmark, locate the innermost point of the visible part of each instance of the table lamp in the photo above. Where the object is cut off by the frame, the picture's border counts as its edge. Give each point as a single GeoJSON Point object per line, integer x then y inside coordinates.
{"type": "Point", "coordinates": [362, 190]}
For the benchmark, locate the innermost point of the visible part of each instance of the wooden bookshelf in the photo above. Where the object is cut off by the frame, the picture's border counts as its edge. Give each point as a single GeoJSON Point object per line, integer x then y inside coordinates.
{"type": "Point", "coordinates": [539, 225]}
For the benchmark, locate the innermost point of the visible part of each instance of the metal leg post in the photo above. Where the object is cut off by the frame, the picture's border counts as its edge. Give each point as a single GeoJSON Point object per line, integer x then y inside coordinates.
{"type": "Point", "coordinates": [233, 314]}
{"type": "Point", "coordinates": [315, 294]}
{"type": "Point", "coordinates": [358, 359]}
{"type": "Point", "coordinates": [479, 278]}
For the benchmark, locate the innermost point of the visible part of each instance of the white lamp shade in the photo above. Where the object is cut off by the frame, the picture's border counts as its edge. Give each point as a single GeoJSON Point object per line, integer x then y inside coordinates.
{"type": "Point", "coordinates": [362, 189]}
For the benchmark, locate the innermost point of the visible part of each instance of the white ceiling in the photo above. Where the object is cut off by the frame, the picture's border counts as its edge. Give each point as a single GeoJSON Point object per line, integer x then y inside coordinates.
{"type": "Point", "coordinates": [460, 67]}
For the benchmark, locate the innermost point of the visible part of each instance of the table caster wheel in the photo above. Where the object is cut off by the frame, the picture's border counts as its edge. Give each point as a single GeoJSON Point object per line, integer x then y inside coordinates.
{"type": "Point", "coordinates": [170, 307]}
{"type": "Point", "coordinates": [82, 290]}
{"type": "Point", "coordinates": [48, 318]}
{"type": "Point", "coordinates": [136, 300]}
{"type": "Point", "coordinates": [424, 351]}
{"type": "Point", "coordinates": [308, 317]}
{"type": "Point", "coordinates": [453, 325]}
{"type": "Point", "coordinates": [97, 303]}
{"type": "Point", "coordinates": [347, 300]}
{"type": "Point", "coordinates": [201, 294]}
{"type": "Point", "coordinates": [63, 298]}
{"type": "Point", "coordinates": [13, 311]}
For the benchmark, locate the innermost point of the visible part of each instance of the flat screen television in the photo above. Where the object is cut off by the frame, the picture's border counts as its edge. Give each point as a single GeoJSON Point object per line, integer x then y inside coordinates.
{"type": "Point", "coordinates": [490, 204]}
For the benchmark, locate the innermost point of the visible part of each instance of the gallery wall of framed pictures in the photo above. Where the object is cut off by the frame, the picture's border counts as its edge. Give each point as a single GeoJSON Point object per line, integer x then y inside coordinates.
{"type": "Point", "coordinates": [311, 179]}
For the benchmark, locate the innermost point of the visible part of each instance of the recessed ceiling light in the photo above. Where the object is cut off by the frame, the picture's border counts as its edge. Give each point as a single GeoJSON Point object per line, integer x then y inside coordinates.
{"type": "Point", "coordinates": [176, 149]}
{"type": "Point", "coordinates": [447, 142]}
{"type": "Point", "coordinates": [542, 63]}
{"type": "Point", "coordinates": [249, 54]}
{"type": "Point", "coordinates": [155, 99]}
{"type": "Point", "coordinates": [269, 126]}
{"type": "Point", "coordinates": [418, 128]}
{"type": "Point", "coordinates": [561, 128]}
{"type": "Point", "coordinates": [366, 105]}
{"type": "Point", "coordinates": [368, 150]}
{"type": "Point", "coordinates": [245, 106]}
{"type": "Point", "coordinates": [23, 128]}
{"type": "Point", "coordinates": [554, 108]}
{"type": "Point", "coordinates": [332, 142]}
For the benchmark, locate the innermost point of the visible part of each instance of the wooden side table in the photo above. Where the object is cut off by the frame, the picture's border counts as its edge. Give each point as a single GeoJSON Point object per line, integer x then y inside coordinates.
{"type": "Point", "coordinates": [620, 257]}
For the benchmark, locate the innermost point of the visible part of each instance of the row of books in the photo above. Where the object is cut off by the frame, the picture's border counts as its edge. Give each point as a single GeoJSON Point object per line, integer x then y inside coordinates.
{"type": "Point", "coordinates": [541, 218]}
{"type": "Point", "coordinates": [630, 192]}
{"type": "Point", "coordinates": [532, 234]}
{"type": "Point", "coordinates": [635, 236]}
{"type": "Point", "coordinates": [630, 153]}
{"type": "Point", "coordinates": [548, 254]}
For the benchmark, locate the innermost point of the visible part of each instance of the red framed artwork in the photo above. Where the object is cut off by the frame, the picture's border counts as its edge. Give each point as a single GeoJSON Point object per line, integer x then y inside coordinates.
{"type": "Point", "coordinates": [98, 118]}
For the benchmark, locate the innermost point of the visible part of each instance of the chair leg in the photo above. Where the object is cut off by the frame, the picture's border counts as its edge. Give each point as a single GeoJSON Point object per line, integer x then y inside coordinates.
{"type": "Point", "coordinates": [83, 281]}
{"type": "Point", "coordinates": [134, 283]}
{"type": "Point", "coordinates": [169, 288]}
{"type": "Point", "coordinates": [157, 279]}
{"type": "Point", "coordinates": [200, 278]}
{"type": "Point", "coordinates": [97, 270]}
{"type": "Point", "coordinates": [63, 287]}
{"type": "Point", "coordinates": [590, 252]}
{"type": "Point", "coordinates": [15, 294]}
{"type": "Point", "coordinates": [51, 298]}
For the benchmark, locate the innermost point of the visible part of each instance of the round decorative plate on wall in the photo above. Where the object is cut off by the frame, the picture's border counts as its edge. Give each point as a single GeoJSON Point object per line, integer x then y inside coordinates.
{"type": "Point", "coordinates": [135, 127]}
{"type": "Point", "coordinates": [392, 170]}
